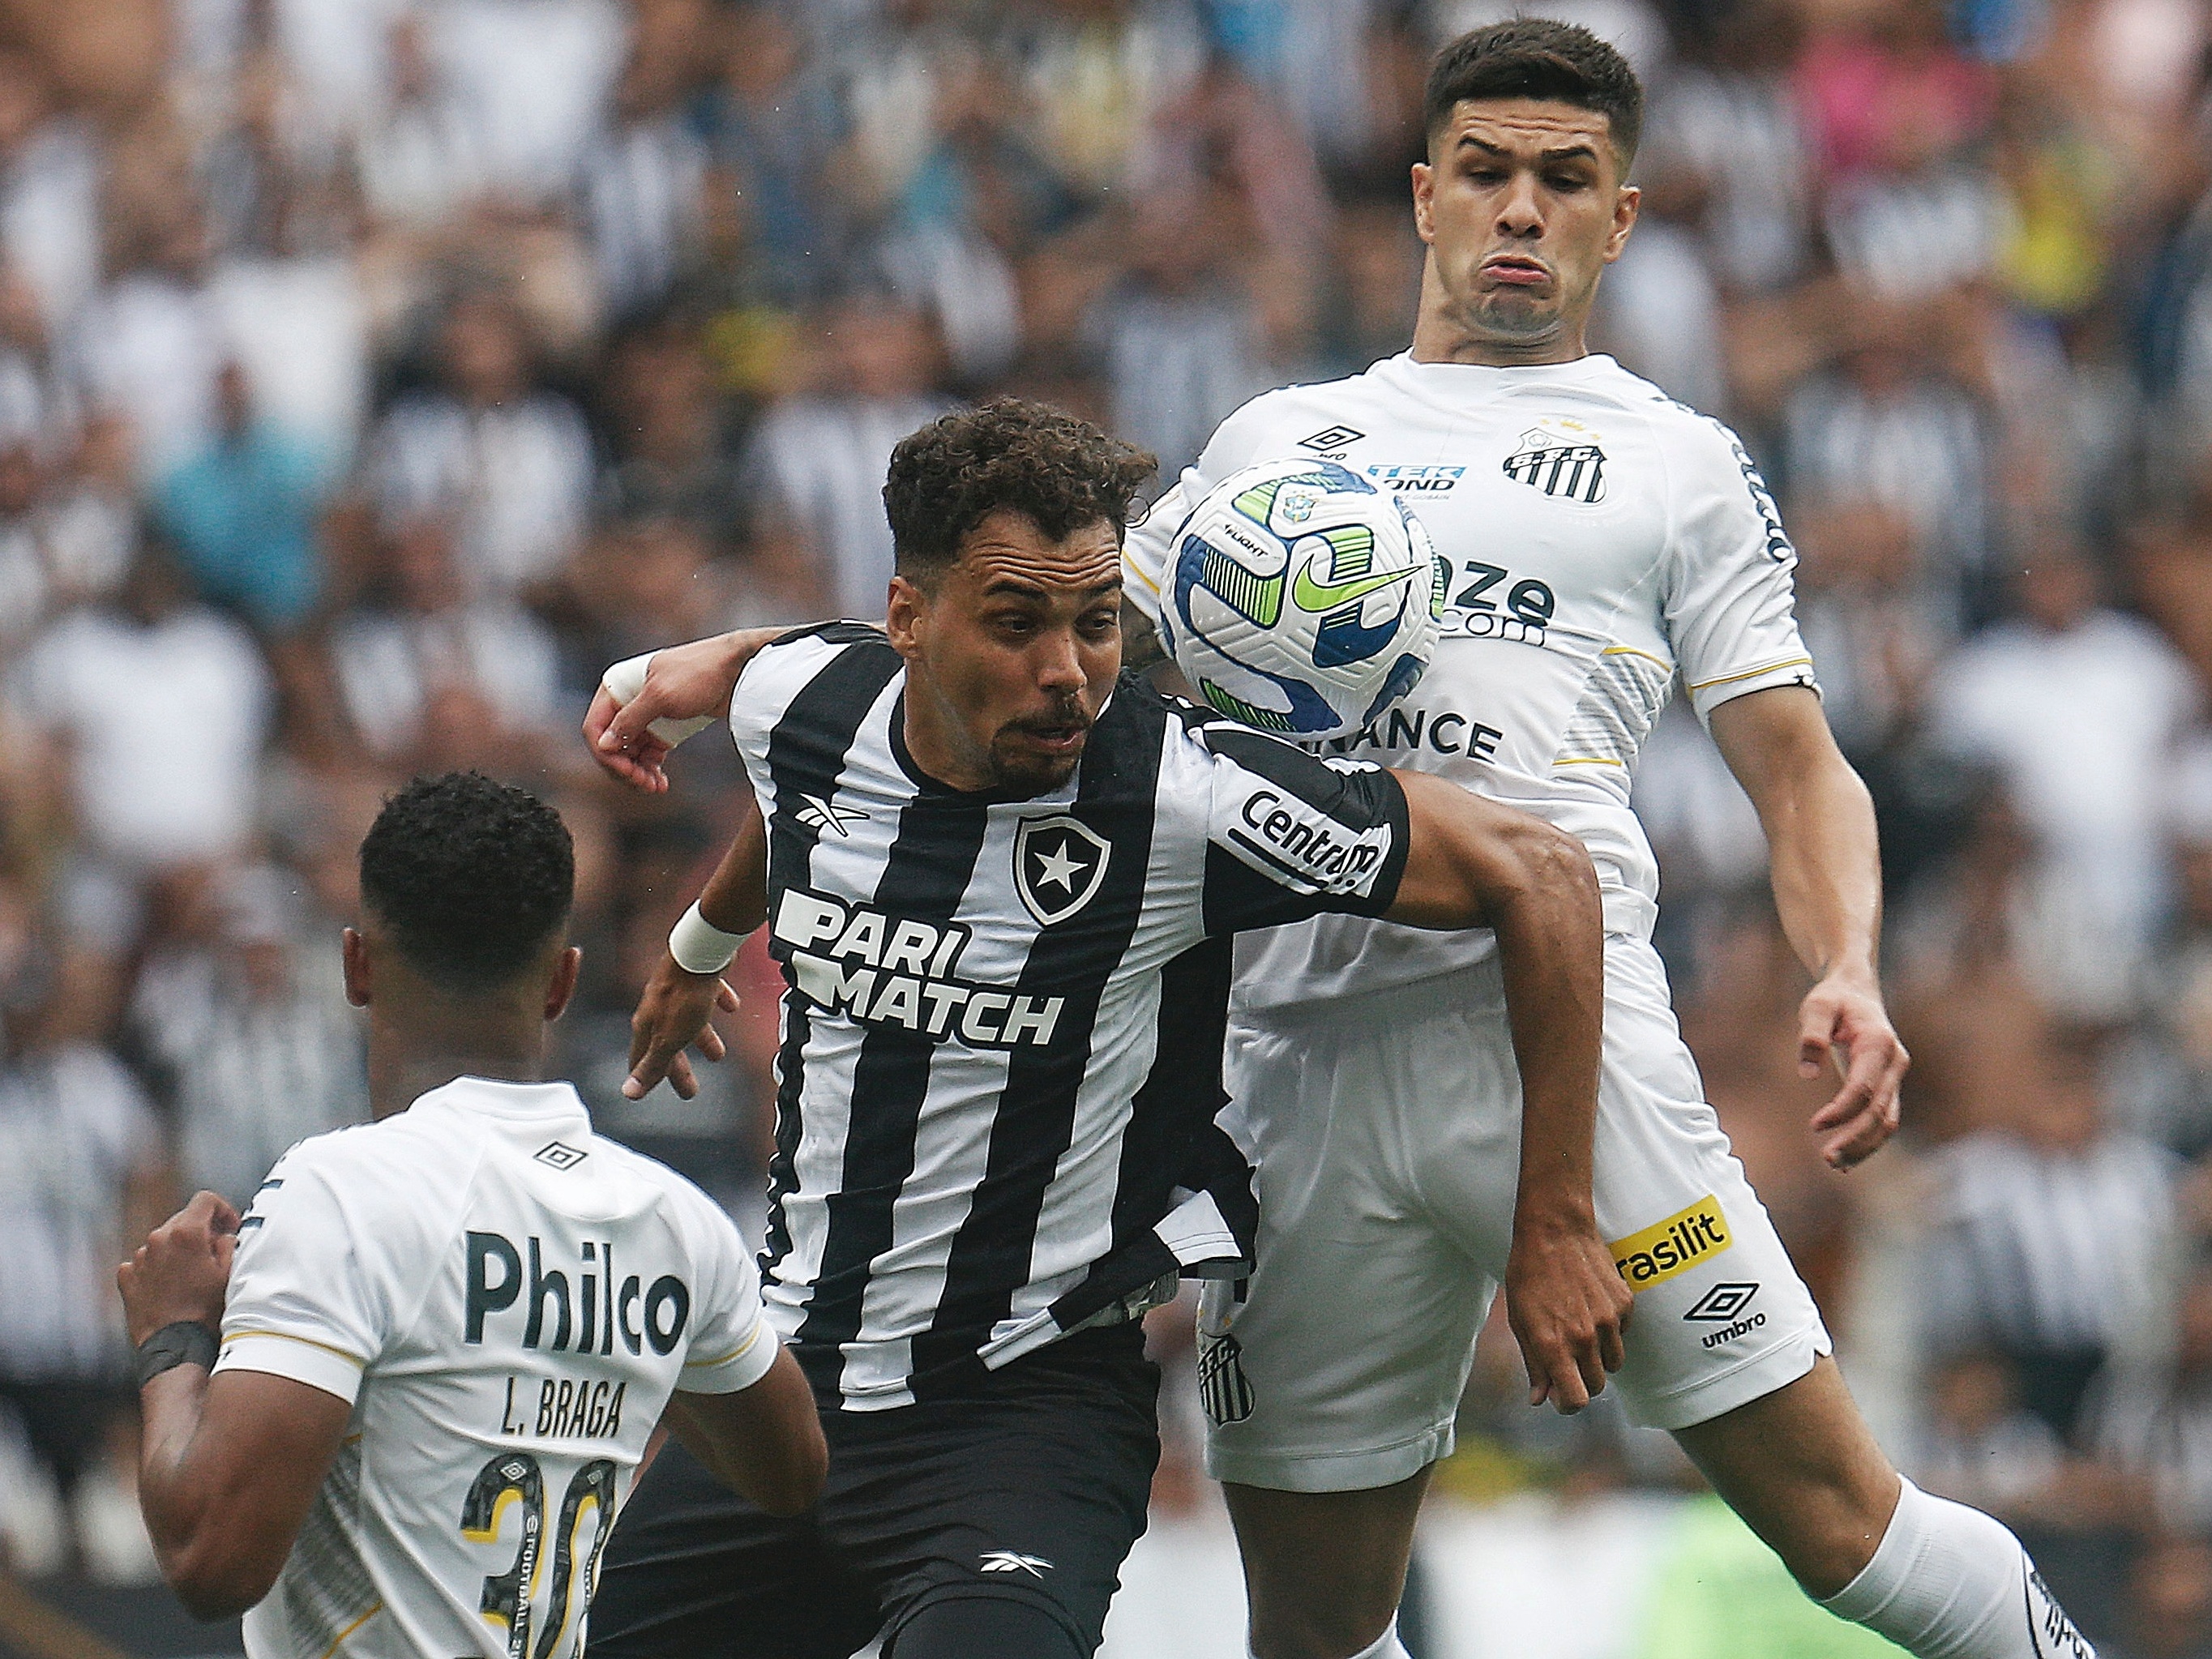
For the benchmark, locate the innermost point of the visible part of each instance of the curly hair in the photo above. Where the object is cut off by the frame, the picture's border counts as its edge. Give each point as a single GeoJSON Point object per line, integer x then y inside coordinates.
{"type": "Point", "coordinates": [473, 877]}
{"type": "Point", "coordinates": [1058, 470]}
{"type": "Point", "coordinates": [1537, 57]}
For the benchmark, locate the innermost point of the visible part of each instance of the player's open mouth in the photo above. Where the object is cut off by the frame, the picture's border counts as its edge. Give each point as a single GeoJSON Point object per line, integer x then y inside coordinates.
{"type": "Point", "coordinates": [1056, 739]}
{"type": "Point", "coordinates": [1515, 271]}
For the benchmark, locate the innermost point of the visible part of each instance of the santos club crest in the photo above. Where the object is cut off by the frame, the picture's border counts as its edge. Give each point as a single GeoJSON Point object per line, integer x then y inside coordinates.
{"type": "Point", "coordinates": [1059, 865]}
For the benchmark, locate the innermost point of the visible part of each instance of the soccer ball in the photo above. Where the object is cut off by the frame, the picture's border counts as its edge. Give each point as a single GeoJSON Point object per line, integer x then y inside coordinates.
{"type": "Point", "coordinates": [1300, 599]}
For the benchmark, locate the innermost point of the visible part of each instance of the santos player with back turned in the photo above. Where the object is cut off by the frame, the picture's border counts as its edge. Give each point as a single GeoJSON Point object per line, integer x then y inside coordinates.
{"type": "Point", "coordinates": [1602, 540]}
{"type": "Point", "coordinates": [447, 1336]}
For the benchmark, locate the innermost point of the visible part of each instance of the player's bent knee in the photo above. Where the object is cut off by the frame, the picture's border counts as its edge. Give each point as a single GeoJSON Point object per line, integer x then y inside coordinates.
{"type": "Point", "coordinates": [965, 1626]}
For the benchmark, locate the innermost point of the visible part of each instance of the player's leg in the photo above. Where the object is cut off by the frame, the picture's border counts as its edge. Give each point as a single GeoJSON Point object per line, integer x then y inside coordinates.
{"type": "Point", "coordinates": [1939, 1579]}
{"type": "Point", "coordinates": [1726, 1350]}
{"type": "Point", "coordinates": [1331, 1387]}
{"type": "Point", "coordinates": [1366, 1540]}
{"type": "Point", "coordinates": [693, 1571]}
{"type": "Point", "coordinates": [1010, 1504]}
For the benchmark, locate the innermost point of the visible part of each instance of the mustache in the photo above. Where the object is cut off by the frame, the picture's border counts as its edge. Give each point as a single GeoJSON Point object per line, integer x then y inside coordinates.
{"type": "Point", "coordinates": [1062, 715]}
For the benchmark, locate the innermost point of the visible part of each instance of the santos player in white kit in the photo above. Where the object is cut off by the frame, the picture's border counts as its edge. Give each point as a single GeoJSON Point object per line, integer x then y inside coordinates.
{"type": "Point", "coordinates": [1603, 541]}
{"type": "Point", "coordinates": [447, 1337]}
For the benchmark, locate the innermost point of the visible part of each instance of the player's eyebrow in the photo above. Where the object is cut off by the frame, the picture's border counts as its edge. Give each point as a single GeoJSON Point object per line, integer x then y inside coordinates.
{"type": "Point", "coordinates": [1018, 588]}
{"type": "Point", "coordinates": [1564, 152]}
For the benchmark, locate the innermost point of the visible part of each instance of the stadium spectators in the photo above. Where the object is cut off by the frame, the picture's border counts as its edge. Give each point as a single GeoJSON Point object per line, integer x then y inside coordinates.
{"type": "Point", "coordinates": [371, 375]}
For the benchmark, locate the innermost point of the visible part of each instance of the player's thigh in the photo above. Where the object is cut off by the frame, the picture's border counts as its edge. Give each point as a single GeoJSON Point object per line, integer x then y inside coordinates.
{"type": "Point", "coordinates": [693, 1571]}
{"type": "Point", "coordinates": [1340, 1364]}
{"type": "Point", "coordinates": [1032, 1491]}
{"type": "Point", "coordinates": [1721, 1316]}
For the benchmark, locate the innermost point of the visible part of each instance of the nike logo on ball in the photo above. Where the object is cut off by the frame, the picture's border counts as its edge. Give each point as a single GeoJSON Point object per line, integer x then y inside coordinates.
{"type": "Point", "coordinates": [1310, 595]}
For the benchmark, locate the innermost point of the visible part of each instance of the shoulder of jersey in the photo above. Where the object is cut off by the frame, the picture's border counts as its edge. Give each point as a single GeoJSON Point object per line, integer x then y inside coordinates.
{"type": "Point", "coordinates": [785, 664]}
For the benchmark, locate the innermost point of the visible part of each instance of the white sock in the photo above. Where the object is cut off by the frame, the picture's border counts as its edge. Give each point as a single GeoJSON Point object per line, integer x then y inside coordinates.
{"type": "Point", "coordinates": [1948, 1582]}
{"type": "Point", "coordinates": [1385, 1646]}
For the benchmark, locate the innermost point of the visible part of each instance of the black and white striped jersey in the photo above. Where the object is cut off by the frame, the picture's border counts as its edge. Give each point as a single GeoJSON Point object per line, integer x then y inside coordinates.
{"type": "Point", "coordinates": [1001, 1042]}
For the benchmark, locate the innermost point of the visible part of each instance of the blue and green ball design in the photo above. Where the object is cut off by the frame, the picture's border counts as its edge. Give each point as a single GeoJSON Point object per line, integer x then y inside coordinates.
{"type": "Point", "coordinates": [1302, 599]}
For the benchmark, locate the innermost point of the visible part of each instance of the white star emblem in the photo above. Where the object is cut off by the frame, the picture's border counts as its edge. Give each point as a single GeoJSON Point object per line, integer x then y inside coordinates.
{"type": "Point", "coordinates": [1059, 869]}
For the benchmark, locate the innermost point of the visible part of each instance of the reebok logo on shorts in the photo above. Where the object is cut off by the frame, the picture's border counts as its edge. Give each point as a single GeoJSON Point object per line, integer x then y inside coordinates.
{"type": "Point", "coordinates": [1222, 1388]}
{"type": "Point", "coordinates": [1674, 1246]}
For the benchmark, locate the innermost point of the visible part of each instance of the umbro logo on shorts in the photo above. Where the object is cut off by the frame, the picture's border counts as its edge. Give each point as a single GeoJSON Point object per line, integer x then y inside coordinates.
{"type": "Point", "coordinates": [1014, 1561]}
{"type": "Point", "coordinates": [1723, 1303]}
{"type": "Point", "coordinates": [1222, 1388]}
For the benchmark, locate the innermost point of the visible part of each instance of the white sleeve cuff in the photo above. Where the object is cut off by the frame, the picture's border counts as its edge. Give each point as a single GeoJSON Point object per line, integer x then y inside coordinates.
{"type": "Point", "coordinates": [302, 1358]}
{"type": "Point", "coordinates": [740, 1368]}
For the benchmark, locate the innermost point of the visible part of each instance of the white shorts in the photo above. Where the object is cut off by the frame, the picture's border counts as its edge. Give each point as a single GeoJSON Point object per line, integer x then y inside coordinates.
{"type": "Point", "coordinates": [1388, 1130]}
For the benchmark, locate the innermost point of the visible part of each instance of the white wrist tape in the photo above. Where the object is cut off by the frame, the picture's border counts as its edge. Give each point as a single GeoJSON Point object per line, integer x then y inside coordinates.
{"type": "Point", "coordinates": [699, 946]}
{"type": "Point", "coordinates": [627, 678]}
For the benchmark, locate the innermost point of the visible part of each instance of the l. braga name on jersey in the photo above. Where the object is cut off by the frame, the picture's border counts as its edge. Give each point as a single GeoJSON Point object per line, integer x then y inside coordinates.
{"type": "Point", "coordinates": [897, 970]}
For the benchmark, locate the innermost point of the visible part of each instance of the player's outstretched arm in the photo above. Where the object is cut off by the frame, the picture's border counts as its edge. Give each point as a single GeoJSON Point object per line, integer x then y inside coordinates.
{"type": "Point", "coordinates": [681, 685]}
{"type": "Point", "coordinates": [764, 1443]}
{"type": "Point", "coordinates": [674, 1011]}
{"type": "Point", "coordinates": [1471, 862]}
{"type": "Point", "coordinates": [226, 1465]}
{"type": "Point", "coordinates": [1827, 866]}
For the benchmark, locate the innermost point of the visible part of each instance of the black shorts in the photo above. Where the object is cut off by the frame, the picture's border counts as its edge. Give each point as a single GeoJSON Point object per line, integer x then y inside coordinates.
{"type": "Point", "coordinates": [1033, 1486]}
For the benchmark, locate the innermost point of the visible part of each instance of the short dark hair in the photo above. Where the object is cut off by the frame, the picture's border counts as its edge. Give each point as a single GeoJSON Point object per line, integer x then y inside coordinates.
{"type": "Point", "coordinates": [471, 877]}
{"type": "Point", "coordinates": [1056, 468]}
{"type": "Point", "coordinates": [1537, 57]}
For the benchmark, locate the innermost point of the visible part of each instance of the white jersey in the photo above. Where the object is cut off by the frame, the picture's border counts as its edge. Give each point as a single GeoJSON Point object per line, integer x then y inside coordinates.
{"type": "Point", "coordinates": [1602, 538]}
{"type": "Point", "coordinates": [508, 1300]}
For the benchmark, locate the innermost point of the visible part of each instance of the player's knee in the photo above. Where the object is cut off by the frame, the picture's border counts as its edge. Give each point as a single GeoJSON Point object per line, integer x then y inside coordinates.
{"type": "Point", "coordinates": [961, 1627]}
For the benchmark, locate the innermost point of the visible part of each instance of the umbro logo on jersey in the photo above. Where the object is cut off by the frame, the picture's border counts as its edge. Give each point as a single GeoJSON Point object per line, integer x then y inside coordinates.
{"type": "Point", "coordinates": [1060, 863]}
{"type": "Point", "coordinates": [816, 813]}
{"type": "Point", "coordinates": [560, 1155]}
{"type": "Point", "coordinates": [1014, 1561]}
{"type": "Point", "coordinates": [1557, 464]}
{"type": "Point", "coordinates": [1723, 1303]}
{"type": "Point", "coordinates": [1332, 438]}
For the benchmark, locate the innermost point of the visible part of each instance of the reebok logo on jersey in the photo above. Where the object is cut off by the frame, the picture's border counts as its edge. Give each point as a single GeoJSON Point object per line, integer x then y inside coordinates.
{"type": "Point", "coordinates": [882, 969]}
{"type": "Point", "coordinates": [1674, 1246]}
{"type": "Point", "coordinates": [1014, 1561]}
{"type": "Point", "coordinates": [1060, 863]}
{"type": "Point", "coordinates": [817, 813]}
{"type": "Point", "coordinates": [1565, 462]}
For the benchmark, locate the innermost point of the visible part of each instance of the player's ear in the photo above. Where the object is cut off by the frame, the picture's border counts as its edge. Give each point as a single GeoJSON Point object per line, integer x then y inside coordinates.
{"type": "Point", "coordinates": [902, 617]}
{"type": "Point", "coordinates": [1425, 192]}
{"type": "Point", "coordinates": [562, 985]}
{"type": "Point", "coordinates": [1624, 206]}
{"type": "Point", "coordinates": [357, 968]}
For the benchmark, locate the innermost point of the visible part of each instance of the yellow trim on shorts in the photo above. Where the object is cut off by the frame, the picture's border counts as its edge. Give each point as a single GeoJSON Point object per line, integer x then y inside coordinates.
{"type": "Point", "coordinates": [1588, 760]}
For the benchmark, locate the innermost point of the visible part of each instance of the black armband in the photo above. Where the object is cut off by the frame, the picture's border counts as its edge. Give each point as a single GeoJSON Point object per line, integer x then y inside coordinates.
{"type": "Point", "coordinates": [187, 1342]}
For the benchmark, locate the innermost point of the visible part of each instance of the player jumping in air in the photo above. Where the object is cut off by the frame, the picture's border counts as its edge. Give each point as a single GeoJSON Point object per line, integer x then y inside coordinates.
{"type": "Point", "coordinates": [1602, 540]}
{"type": "Point", "coordinates": [445, 1337]}
{"type": "Point", "coordinates": [994, 876]}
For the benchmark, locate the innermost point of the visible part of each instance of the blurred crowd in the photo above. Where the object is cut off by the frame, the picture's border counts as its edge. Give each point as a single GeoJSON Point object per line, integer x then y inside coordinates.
{"type": "Point", "coordinates": [374, 372]}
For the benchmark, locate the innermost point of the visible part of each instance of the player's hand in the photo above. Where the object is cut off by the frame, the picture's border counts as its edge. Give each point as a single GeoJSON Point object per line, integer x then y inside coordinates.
{"type": "Point", "coordinates": [1842, 1019]}
{"type": "Point", "coordinates": [684, 681]}
{"type": "Point", "coordinates": [182, 1272]}
{"type": "Point", "coordinates": [1567, 1305]}
{"type": "Point", "coordinates": [672, 1015]}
